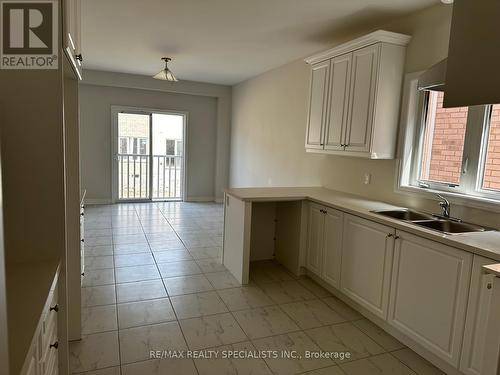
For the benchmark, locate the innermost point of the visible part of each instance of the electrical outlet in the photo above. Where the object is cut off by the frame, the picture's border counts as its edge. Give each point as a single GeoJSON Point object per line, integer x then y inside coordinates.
{"type": "Point", "coordinates": [367, 179]}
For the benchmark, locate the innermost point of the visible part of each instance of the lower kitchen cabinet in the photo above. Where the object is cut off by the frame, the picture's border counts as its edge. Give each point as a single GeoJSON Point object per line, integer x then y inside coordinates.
{"type": "Point", "coordinates": [324, 243]}
{"type": "Point", "coordinates": [332, 247]}
{"type": "Point", "coordinates": [367, 251]}
{"type": "Point", "coordinates": [430, 284]}
{"type": "Point", "coordinates": [436, 295]}
{"type": "Point", "coordinates": [315, 233]}
{"type": "Point", "coordinates": [42, 356]}
{"type": "Point", "coordinates": [477, 316]}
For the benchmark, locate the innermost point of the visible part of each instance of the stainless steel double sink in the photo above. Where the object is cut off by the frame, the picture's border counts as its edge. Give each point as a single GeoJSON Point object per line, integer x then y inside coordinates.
{"type": "Point", "coordinates": [434, 222]}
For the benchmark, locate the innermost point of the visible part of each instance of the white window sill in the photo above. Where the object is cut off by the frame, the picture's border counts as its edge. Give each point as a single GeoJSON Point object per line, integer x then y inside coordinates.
{"type": "Point", "coordinates": [465, 200]}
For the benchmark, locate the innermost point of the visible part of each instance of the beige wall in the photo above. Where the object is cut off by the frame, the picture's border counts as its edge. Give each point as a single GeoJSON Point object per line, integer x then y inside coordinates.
{"type": "Point", "coordinates": [95, 133]}
{"type": "Point", "coordinates": [269, 121]}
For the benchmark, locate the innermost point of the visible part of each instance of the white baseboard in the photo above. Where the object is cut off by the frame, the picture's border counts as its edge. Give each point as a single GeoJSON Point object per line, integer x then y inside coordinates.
{"type": "Point", "coordinates": [91, 201]}
{"type": "Point", "coordinates": [97, 201]}
{"type": "Point", "coordinates": [199, 199]}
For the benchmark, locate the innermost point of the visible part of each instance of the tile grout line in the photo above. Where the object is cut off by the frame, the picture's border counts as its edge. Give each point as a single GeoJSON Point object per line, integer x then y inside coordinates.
{"type": "Point", "coordinates": [165, 287]}
{"type": "Point", "coordinates": [116, 299]}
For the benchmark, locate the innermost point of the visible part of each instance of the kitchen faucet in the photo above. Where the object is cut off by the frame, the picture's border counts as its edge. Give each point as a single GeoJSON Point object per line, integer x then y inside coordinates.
{"type": "Point", "coordinates": [445, 206]}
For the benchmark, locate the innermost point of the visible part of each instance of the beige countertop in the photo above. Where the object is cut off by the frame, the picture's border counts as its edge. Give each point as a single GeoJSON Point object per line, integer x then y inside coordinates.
{"type": "Point", "coordinates": [486, 244]}
{"type": "Point", "coordinates": [493, 269]}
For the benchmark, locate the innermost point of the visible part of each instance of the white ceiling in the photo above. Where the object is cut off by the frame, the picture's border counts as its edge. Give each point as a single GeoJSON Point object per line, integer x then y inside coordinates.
{"type": "Point", "coordinates": [221, 41]}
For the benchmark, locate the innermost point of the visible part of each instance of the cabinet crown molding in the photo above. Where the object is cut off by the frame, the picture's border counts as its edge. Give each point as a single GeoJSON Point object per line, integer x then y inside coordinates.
{"type": "Point", "coordinates": [363, 41]}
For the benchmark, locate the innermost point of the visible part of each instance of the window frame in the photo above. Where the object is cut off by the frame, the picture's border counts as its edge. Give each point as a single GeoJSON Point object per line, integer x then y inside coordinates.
{"type": "Point", "coordinates": [469, 192]}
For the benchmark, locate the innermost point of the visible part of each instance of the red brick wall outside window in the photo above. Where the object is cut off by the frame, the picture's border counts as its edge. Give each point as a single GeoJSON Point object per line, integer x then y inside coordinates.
{"type": "Point", "coordinates": [443, 141]}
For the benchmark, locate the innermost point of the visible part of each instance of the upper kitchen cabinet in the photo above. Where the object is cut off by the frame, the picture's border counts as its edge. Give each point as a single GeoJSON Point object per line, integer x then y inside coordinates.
{"type": "Point", "coordinates": [355, 95]}
{"type": "Point", "coordinates": [72, 34]}
{"type": "Point", "coordinates": [317, 103]}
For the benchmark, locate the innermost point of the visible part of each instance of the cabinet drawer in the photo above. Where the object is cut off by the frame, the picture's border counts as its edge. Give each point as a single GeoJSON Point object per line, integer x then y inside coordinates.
{"type": "Point", "coordinates": [49, 323]}
{"type": "Point", "coordinates": [46, 363]}
{"type": "Point", "coordinates": [31, 366]}
{"type": "Point", "coordinates": [53, 366]}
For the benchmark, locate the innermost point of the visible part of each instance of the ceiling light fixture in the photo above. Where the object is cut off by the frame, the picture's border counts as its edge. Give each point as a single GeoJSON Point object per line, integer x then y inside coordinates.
{"type": "Point", "coordinates": [166, 74]}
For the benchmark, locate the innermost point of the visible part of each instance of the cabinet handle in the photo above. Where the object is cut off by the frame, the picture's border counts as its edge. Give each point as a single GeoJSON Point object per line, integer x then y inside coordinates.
{"type": "Point", "coordinates": [54, 345]}
{"type": "Point", "coordinates": [54, 308]}
{"type": "Point", "coordinates": [82, 214]}
{"type": "Point", "coordinates": [396, 237]}
{"type": "Point", "coordinates": [489, 286]}
{"type": "Point", "coordinates": [79, 57]}
{"type": "Point", "coordinates": [83, 240]}
{"type": "Point", "coordinates": [83, 273]}
{"type": "Point", "coordinates": [389, 235]}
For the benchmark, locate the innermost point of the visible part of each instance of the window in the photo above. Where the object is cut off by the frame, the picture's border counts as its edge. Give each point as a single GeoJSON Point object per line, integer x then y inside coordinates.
{"type": "Point", "coordinates": [170, 147]}
{"type": "Point", "coordinates": [123, 145]}
{"type": "Point", "coordinates": [490, 180]}
{"type": "Point", "coordinates": [143, 144]}
{"type": "Point", "coordinates": [443, 141]}
{"type": "Point", "coordinates": [455, 150]}
{"type": "Point", "coordinates": [178, 147]}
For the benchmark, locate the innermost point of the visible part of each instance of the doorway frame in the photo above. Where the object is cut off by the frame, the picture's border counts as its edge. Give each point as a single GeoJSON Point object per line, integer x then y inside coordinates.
{"type": "Point", "coordinates": [115, 110]}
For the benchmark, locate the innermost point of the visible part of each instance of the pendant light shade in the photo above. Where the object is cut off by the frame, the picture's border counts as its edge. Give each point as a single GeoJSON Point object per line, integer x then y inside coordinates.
{"type": "Point", "coordinates": [166, 74]}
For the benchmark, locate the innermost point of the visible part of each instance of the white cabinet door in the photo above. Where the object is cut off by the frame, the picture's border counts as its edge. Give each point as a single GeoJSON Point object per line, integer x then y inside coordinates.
{"type": "Point", "coordinates": [318, 105]}
{"type": "Point", "coordinates": [332, 247]}
{"type": "Point", "coordinates": [72, 28]}
{"type": "Point", "coordinates": [366, 263]}
{"type": "Point", "coordinates": [477, 317]}
{"type": "Point", "coordinates": [315, 231]}
{"type": "Point", "coordinates": [430, 283]}
{"type": "Point", "coordinates": [362, 98]}
{"type": "Point", "coordinates": [340, 76]}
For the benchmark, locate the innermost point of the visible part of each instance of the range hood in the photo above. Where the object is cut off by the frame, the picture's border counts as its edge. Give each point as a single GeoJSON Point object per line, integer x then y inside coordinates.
{"type": "Point", "coordinates": [434, 78]}
{"type": "Point", "coordinates": [472, 72]}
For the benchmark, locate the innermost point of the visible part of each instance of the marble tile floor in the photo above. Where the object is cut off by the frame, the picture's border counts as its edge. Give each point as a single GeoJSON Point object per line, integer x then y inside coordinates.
{"type": "Point", "coordinates": [154, 281]}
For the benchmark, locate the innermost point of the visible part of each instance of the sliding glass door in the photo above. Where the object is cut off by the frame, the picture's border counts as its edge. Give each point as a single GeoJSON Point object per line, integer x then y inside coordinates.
{"type": "Point", "coordinates": [149, 155]}
{"type": "Point", "coordinates": [134, 157]}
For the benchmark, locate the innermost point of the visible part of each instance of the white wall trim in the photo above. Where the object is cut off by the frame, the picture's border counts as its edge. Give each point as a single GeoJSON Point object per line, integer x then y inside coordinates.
{"type": "Point", "coordinates": [363, 41]}
{"type": "Point", "coordinates": [200, 199]}
{"type": "Point", "coordinates": [97, 201]}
